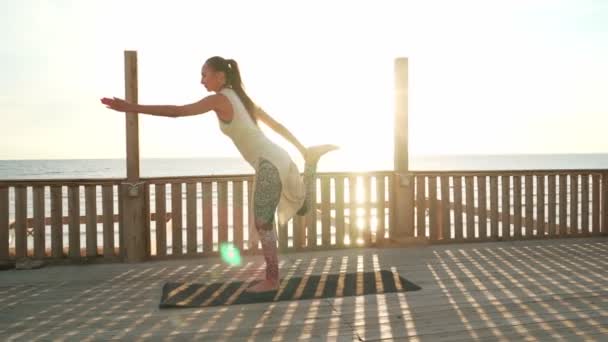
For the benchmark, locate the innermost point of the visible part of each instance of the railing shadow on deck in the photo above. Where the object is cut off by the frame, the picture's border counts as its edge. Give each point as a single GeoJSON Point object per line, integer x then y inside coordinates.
{"type": "Point", "coordinates": [532, 290]}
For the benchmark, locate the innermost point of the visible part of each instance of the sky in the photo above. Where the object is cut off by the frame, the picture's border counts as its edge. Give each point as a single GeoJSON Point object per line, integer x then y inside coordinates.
{"type": "Point", "coordinates": [485, 77]}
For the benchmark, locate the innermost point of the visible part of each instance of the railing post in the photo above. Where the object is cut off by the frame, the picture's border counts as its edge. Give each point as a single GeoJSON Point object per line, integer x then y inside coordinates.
{"type": "Point", "coordinates": [4, 224]}
{"type": "Point", "coordinates": [132, 191]}
{"type": "Point", "coordinates": [604, 203]}
{"type": "Point", "coordinates": [403, 184]}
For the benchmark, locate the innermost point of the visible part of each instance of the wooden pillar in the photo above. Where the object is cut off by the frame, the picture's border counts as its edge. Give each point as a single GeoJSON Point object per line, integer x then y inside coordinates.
{"type": "Point", "coordinates": [132, 191]}
{"type": "Point", "coordinates": [403, 185]}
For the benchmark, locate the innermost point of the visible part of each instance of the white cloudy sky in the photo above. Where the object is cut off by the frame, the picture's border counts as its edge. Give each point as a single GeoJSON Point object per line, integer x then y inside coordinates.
{"type": "Point", "coordinates": [485, 76]}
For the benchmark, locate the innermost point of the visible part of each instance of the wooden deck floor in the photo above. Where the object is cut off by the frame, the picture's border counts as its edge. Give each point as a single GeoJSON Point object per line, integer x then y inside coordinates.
{"type": "Point", "coordinates": [535, 290]}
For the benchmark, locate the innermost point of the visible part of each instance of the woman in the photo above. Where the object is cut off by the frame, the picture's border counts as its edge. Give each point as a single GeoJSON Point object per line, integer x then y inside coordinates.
{"type": "Point", "coordinates": [278, 186]}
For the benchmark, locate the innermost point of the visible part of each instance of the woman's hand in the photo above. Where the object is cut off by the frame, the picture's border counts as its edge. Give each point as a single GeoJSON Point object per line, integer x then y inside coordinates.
{"type": "Point", "coordinates": [117, 104]}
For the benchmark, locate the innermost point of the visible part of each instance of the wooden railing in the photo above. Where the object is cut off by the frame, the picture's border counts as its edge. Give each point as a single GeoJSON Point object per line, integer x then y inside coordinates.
{"type": "Point", "coordinates": [210, 211]}
{"type": "Point", "coordinates": [194, 216]}
{"type": "Point", "coordinates": [60, 218]}
{"type": "Point", "coordinates": [504, 205]}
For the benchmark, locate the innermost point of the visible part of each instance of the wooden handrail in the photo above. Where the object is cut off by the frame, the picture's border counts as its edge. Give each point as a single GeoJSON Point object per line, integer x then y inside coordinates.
{"type": "Point", "coordinates": [233, 177]}
{"type": "Point", "coordinates": [463, 173]}
{"type": "Point", "coordinates": [167, 179]}
{"type": "Point", "coordinates": [60, 182]}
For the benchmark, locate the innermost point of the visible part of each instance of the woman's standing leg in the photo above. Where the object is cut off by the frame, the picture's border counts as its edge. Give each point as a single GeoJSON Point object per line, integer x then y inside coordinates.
{"type": "Point", "coordinates": [266, 199]}
{"type": "Point", "coordinates": [271, 255]}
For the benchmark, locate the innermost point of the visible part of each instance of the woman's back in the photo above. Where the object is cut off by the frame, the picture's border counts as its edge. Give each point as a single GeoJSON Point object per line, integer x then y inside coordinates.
{"type": "Point", "coordinates": [247, 136]}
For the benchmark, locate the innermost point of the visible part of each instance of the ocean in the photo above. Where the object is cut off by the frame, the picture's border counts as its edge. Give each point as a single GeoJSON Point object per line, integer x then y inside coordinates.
{"type": "Point", "coordinates": [115, 168]}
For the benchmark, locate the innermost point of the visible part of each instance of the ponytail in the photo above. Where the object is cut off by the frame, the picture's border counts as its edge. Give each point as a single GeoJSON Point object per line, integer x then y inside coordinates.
{"type": "Point", "coordinates": [233, 80]}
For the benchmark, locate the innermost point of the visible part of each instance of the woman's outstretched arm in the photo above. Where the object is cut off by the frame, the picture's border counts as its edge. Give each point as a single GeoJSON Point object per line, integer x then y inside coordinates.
{"type": "Point", "coordinates": [213, 102]}
{"type": "Point", "coordinates": [281, 130]}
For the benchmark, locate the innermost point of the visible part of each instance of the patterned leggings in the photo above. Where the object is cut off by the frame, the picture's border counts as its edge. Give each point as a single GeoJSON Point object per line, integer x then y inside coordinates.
{"type": "Point", "coordinates": [266, 199]}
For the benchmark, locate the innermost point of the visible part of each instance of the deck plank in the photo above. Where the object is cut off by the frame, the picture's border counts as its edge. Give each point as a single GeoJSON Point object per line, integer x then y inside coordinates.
{"type": "Point", "coordinates": [537, 289]}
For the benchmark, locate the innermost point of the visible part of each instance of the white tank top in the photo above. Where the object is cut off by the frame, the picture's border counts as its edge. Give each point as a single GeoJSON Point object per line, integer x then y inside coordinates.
{"type": "Point", "coordinates": [254, 145]}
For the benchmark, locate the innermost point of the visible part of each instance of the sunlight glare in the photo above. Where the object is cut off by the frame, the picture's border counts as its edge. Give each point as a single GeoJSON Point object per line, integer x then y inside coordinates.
{"type": "Point", "coordinates": [347, 240]}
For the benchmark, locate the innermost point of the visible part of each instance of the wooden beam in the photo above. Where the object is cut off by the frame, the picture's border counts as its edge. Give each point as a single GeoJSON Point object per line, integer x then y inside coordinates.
{"type": "Point", "coordinates": [132, 191]}
{"type": "Point", "coordinates": [401, 115]}
{"type": "Point", "coordinates": [403, 183]}
{"type": "Point", "coordinates": [132, 119]}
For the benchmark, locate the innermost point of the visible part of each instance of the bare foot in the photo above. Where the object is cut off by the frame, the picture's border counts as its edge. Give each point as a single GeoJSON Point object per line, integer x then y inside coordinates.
{"type": "Point", "coordinates": [314, 153]}
{"type": "Point", "coordinates": [264, 286]}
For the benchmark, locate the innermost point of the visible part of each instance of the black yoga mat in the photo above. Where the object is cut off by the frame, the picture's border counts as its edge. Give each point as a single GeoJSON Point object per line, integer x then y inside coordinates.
{"type": "Point", "coordinates": [189, 295]}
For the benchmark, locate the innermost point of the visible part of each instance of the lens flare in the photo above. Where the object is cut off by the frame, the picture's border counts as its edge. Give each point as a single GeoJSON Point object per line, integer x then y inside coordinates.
{"type": "Point", "coordinates": [230, 254]}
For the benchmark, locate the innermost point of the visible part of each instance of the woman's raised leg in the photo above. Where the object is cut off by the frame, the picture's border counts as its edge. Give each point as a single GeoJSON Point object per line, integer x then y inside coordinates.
{"type": "Point", "coordinates": [313, 154]}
